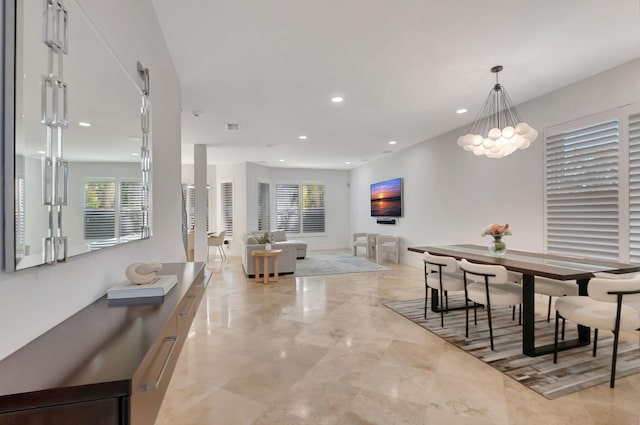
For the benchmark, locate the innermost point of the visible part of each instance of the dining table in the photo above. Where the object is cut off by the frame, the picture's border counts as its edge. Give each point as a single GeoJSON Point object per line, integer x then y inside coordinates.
{"type": "Point", "coordinates": [530, 265]}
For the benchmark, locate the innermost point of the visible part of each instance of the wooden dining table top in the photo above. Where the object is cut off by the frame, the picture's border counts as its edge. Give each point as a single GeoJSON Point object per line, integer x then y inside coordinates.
{"type": "Point", "coordinates": [560, 267]}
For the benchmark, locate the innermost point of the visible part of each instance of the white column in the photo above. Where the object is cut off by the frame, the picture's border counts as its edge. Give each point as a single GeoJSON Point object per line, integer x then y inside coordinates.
{"type": "Point", "coordinates": [200, 183]}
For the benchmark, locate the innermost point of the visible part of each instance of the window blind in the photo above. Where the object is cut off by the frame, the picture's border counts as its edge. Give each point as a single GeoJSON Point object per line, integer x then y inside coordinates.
{"type": "Point", "coordinates": [226, 203]}
{"type": "Point", "coordinates": [264, 207]}
{"type": "Point", "coordinates": [634, 188]}
{"type": "Point", "coordinates": [99, 210]}
{"type": "Point", "coordinates": [288, 207]}
{"type": "Point", "coordinates": [19, 212]}
{"type": "Point", "coordinates": [130, 209]}
{"type": "Point", "coordinates": [189, 199]}
{"type": "Point", "coordinates": [313, 208]}
{"type": "Point", "coordinates": [582, 190]}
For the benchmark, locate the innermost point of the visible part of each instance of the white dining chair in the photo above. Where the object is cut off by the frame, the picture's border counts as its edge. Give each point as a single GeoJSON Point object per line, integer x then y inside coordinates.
{"type": "Point", "coordinates": [607, 307]}
{"type": "Point", "coordinates": [442, 274]}
{"type": "Point", "coordinates": [488, 285]}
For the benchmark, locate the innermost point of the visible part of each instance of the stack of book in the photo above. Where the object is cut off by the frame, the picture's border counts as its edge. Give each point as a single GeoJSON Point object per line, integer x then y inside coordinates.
{"type": "Point", "coordinates": [158, 287]}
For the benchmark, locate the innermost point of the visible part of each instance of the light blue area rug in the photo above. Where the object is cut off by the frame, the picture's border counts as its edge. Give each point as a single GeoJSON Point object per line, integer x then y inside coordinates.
{"type": "Point", "coordinates": [323, 264]}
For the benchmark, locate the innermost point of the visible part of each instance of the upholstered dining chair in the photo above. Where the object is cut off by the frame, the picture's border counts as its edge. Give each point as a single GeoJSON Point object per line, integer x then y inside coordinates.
{"type": "Point", "coordinates": [217, 240]}
{"type": "Point", "coordinates": [550, 287]}
{"type": "Point", "coordinates": [488, 285]}
{"type": "Point", "coordinates": [443, 275]}
{"type": "Point", "coordinates": [606, 308]}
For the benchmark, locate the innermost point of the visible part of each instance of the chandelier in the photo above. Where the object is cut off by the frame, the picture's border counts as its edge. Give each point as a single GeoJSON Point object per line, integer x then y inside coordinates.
{"type": "Point", "coordinates": [498, 130]}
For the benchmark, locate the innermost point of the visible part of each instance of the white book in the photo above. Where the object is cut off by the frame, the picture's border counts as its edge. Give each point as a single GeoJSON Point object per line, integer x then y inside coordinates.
{"type": "Point", "coordinates": [158, 287]}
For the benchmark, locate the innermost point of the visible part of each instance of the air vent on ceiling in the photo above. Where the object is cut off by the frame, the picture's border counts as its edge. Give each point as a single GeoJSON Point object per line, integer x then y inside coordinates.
{"type": "Point", "coordinates": [233, 127]}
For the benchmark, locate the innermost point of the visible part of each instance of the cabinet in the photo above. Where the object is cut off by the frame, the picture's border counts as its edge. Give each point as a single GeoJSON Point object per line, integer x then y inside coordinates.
{"type": "Point", "coordinates": [108, 364]}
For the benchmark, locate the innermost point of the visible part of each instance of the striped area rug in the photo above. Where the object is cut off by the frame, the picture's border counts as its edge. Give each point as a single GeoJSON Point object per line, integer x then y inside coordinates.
{"type": "Point", "coordinates": [576, 368]}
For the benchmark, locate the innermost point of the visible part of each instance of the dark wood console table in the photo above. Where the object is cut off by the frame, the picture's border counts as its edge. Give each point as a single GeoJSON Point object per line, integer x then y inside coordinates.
{"type": "Point", "coordinates": [108, 364]}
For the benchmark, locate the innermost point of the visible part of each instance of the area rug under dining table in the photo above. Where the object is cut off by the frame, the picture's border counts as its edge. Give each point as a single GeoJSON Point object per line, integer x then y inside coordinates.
{"type": "Point", "coordinates": [576, 368]}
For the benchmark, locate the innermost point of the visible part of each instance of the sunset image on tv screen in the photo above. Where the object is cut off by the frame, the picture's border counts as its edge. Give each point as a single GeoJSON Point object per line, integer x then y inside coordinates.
{"type": "Point", "coordinates": [386, 198]}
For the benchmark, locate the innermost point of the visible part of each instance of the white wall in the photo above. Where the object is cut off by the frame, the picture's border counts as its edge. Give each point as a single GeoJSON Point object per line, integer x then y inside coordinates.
{"type": "Point", "coordinates": [450, 195]}
{"type": "Point", "coordinates": [34, 300]}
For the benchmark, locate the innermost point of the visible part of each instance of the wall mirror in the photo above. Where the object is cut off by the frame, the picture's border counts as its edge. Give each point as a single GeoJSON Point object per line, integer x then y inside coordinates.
{"type": "Point", "coordinates": [80, 126]}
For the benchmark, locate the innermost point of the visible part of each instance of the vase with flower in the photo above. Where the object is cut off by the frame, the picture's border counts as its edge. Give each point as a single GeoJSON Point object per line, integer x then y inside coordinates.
{"type": "Point", "coordinates": [266, 239]}
{"type": "Point", "coordinates": [497, 231]}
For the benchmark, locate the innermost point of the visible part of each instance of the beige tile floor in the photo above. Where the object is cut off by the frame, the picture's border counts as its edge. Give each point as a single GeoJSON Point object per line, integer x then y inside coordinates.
{"type": "Point", "coordinates": [324, 350]}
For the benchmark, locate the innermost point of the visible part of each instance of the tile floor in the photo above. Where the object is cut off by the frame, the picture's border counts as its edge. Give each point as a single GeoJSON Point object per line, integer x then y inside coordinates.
{"type": "Point", "coordinates": [324, 350]}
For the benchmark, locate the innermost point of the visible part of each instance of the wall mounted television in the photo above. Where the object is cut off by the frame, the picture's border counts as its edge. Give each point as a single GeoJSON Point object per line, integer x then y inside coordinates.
{"type": "Point", "coordinates": [386, 198]}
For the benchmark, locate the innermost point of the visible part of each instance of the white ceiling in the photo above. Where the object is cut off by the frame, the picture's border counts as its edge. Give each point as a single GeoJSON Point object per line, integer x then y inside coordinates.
{"type": "Point", "coordinates": [403, 67]}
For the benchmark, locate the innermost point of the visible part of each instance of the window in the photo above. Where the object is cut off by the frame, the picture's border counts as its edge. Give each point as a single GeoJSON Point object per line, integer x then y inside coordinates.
{"type": "Point", "coordinates": [226, 204]}
{"type": "Point", "coordinates": [312, 208]}
{"type": "Point", "coordinates": [189, 199]}
{"type": "Point", "coordinates": [300, 208]}
{"type": "Point", "coordinates": [100, 210]}
{"type": "Point", "coordinates": [112, 210]}
{"type": "Point", "coordinates": [264, 207]}
{"type": "Point", "coordinates": [593, 186]}
{"type": "Point", "coordinates": [19, 212]}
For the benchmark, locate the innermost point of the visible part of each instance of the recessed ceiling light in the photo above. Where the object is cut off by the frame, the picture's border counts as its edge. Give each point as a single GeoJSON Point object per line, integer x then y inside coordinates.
{"type": "Point", "coordinates": [385, 152]}
{"type": "Point", "coordinates": [41, 152]}
{"type": "Point", "coordinates": [134, 139]}
{"type": "Point", "coordinates": [135, 154]}
{"type": "Point", "coordinates": [302, 137]}
{"type": "Point", "coordinates": [337, 99]}
{"type": "Point", "coordinates": [392, 142]}
{"type": "Point", "coordinates": [84, 124]}
{"type": "Point", "coordinates": [348, 162]}
{"type": "Point", "coordinates": [281, 160]}
{"type": "Point", "coordinates": [461, 111]}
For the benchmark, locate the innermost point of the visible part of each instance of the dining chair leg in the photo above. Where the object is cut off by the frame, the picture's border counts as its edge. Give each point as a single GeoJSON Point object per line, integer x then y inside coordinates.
{"type": "Point", "coordinates": [466, 310]}
{"type": "Point", "coordinates": [563, 322]}
{"type": "Point", "coordinates": [513, 312]}
{"type": "Point", "coordinates": [446, 298]}
{"type": "Point", "coordinates": [519, 314]}
{"type": "Point", "coordinates": [441, 303]}
{"type": "Point", "coordinates": [614, 358]}
{"type": "Point", "coordinates": [595, 342]}
{"type": "Point", "coordinates": [490, 324]}
{"type": "Point", "coordinates": [426, 298]}
{"type": "Point", "coordinates": [549, 310]}
{"type": "Point", "coordinates": [555, 340]}
{"type": "Point", "coordinates": [475, 314]}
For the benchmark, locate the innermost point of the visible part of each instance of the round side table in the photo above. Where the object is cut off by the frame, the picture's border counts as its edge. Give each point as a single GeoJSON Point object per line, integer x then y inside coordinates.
{"type": "Point", "coordinates": [266, 255]}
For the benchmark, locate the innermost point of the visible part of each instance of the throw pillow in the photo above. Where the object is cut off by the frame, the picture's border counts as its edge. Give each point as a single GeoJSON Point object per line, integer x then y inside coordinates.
{"type": "Point", "coordinates": [279, 236]}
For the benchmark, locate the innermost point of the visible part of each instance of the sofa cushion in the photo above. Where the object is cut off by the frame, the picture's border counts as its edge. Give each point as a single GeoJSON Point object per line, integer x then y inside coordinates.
{"type": "Point", "coordinates": [279, 235]}
{"type": "Point", "coordinates": [250, 240]}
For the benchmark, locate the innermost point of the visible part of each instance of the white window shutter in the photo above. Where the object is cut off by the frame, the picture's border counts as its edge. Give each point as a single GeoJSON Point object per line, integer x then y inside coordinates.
{"type": "Point", "coordinates": [264, 207]}
{"type": "Point", "coordinates": [634, 188]}
{"type": "Point", "coordinates": [582, 190]}
{"type": "Point", "coordinates": [99, 210]}
{"type": "Point", "coordinates": [313, 213]}
{"type": "Point", "coordinates": [226, 203]}
{"type": "Point", "coordinates": [130, 209]}
{"type": "Point", "coordinates": [288, 207]}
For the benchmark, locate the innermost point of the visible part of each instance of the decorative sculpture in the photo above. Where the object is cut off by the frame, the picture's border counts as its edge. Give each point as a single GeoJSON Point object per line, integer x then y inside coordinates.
{"type": "Point", "coordinates": [141, 273]}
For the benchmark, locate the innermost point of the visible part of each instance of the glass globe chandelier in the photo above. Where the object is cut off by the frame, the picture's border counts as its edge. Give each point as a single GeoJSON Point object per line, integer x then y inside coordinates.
{"type": "Point", "coordinates": [498, 130]}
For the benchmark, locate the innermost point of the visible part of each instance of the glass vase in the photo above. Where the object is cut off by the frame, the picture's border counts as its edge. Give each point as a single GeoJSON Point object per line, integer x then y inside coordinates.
{"type": "Point", "coordinates": [267, 246]}
{"type": "Point", "coordinates": [497, 247]}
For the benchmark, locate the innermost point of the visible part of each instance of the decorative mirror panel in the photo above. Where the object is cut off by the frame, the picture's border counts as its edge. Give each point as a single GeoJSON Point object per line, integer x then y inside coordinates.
{"type": "Point", "coordinates": [81, 160]}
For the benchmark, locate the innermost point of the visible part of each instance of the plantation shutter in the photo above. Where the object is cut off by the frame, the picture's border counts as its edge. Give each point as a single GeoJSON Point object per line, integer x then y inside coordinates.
{"type": "Point", "coordinates": [264, 207]}
{"type": "Point", "coordinates": [634, 188]}
{"type": "Point", "coordinates": [130, 209]}
{"type": "Point", "coordinates": [19, 211]}
{"type": "Point", "coordinates": [99, 210]}
{"type": "Point", "coordinates": [313, 208]}
{"type": "Point", "coordinates": [226, 203]}
{"type": "Point", "coordinates": [288, 207]}
{"type": "Point", "coordinates": [582, 190]}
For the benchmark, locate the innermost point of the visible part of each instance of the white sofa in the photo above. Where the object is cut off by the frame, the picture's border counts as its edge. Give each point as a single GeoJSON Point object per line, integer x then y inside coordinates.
{"type": "Point", "coordinates": [291, 250]}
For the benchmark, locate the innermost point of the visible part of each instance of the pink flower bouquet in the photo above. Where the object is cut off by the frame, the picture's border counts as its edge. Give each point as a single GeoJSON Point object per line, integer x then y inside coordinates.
{"type": "Point", "coordinates": [497, 230]}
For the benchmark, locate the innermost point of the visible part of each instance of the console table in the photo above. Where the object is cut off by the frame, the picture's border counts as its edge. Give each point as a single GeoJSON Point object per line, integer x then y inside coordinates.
{"type": "Point", "coordinates": [108, 364]}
